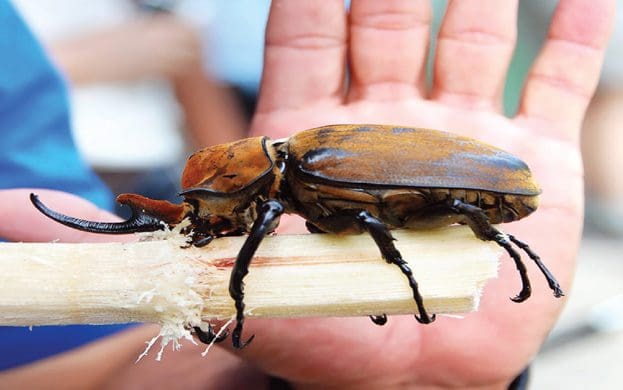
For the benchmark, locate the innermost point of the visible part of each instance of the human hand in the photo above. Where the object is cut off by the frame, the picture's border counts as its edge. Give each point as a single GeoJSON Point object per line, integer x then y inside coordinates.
{"type": "Point", "coordinates": [385, 45]}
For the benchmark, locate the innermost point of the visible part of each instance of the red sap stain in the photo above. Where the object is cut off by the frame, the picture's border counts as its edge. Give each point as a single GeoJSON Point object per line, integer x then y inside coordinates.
{"type": "Point", "coordinates": [226, 262]}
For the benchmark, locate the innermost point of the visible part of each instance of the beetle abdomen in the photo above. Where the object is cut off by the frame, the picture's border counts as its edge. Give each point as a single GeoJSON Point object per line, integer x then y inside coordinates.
{"type": "Point", "coordinates": [379, 155]}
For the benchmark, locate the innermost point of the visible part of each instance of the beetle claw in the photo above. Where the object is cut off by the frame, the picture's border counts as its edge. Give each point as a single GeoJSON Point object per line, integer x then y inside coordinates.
{"type": "Point", "coordinates": [522, 296]}
{"type": "Point", "coordinates": [551, 280]}
{"type": "Point", "coordinates": [380, 319]}
{"type": "Point", "coordinates": [210, 336]}
{"type": "Point", "coordinates": [425, 318]}
{"type": "Point", "coordinates": [236, 335]}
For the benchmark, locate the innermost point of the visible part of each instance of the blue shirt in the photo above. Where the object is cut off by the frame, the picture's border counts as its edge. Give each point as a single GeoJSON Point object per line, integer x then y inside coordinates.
{"type": "Point", "coordinates": [37, 150]}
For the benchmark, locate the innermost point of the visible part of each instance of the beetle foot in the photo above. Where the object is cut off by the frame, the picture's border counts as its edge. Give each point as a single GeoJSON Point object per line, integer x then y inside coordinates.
{"type": "Point", "coordinates": [202, 241]}
{"type": "Point", "coordinates": [380, 319]}
{"type": "Point", "coordinates": [210, 336]}
{"type": "Point", "coordinates": [236, 336]}
{"type": "Point", "coordinates": [522, 296]}
{"type": "Point", "coordinates": [504, 241]}
{"type": "Point", "coordinates": [424, 318]}
{"type": "Point", "coordinates": [551, 280]}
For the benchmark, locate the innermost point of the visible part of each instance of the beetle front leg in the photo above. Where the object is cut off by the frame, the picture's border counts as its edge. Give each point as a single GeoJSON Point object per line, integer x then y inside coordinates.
{"type": "Point", "coordinates": [210, 336]}
{"type": "Point", "coordinates": [384, 241]}
{"type": "Point", "coordinates": [268, 215]}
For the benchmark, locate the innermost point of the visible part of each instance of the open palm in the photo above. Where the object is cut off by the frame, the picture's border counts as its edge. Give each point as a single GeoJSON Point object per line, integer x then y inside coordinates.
{"type": "Point", "coordinates": [385, 45]}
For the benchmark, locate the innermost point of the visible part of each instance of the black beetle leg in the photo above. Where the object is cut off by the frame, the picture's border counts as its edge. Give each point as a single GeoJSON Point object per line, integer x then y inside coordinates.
{"type": "Point", "coordinates": [138, 221]}
{"type": "Point", "coordinates": [202, 240]}
{"type": "Point", "coordinates": [197, 240]}
{"type": "Point", "coordinates": [210, 336]}
{"type": "Point", "coordinates": [313, 228]}
{"type": "Point", "coordinates": [384, 241]}
{"type": "Point", "coordinates": [268, 215]}
{"type": "Point", "coordinates": [479, 223]}
{"type": "Point", "coordinates": [551, 280]}
{"type": "Point", "coordinates": [380, 319]}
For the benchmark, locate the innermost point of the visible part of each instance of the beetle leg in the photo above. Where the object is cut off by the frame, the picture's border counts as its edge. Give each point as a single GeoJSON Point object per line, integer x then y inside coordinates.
{"type": "Point", "coordinates": [478, 221]}
{"type": "Point", "coordinates": [551, 280]}
{"type": "Point", "coordinates": [383, 239]}
{"type": "Point", "coordinates": [202, 240]}
{"type": "Point", "coordinates": [210, 336]}
{"type": "Point", "coordinates": [268, 216]}
{"type": "Point", "coordinates": [313, 228]}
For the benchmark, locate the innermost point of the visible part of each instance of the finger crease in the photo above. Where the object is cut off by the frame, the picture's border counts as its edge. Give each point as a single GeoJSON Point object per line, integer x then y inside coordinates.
{"type": "Point", "coordinates": [471, 99]}
{"type": "Point", "coordinates": [582, 46]}
{"type": "Point", "coordinates": [307, 43]}
{"type": "Point", "coordinates": [564, 84]}
{"type": "Point", "coordinates": [477, 38]}
{"type": "Point", "coordinates": [390, 21]}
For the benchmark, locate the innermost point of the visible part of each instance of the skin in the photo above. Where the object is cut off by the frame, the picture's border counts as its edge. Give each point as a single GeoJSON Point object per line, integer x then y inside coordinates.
{"type": "Point", "coordinates": [303, 86]}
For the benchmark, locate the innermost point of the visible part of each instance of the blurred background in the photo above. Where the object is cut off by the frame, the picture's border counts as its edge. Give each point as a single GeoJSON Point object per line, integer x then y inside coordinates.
{"type": "Point", "coordinates": [152, 81]}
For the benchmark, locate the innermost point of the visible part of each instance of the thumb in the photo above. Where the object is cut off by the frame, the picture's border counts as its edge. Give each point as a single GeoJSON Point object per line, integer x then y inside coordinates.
{"type": "Point", "coordinates": [21, 221]}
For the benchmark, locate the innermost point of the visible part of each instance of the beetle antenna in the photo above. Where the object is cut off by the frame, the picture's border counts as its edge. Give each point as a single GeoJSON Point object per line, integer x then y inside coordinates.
{"type": "Point", "coordinates": [551, 280]}
{"type": "Point", "coordinates": [139, 221]}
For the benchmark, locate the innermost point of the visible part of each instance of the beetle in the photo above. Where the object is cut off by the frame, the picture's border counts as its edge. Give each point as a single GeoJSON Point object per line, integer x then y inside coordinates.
{"type": "Point", "coordinates": [343, 179]}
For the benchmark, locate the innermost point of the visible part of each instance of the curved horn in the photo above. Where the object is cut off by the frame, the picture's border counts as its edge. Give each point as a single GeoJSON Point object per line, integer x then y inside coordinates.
{"type": "Point", "coordinates": [138, 222]}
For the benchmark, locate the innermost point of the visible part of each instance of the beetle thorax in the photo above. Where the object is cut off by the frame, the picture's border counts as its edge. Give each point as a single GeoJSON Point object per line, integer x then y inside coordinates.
{"type": "Point", "coordinates": [224, 184]}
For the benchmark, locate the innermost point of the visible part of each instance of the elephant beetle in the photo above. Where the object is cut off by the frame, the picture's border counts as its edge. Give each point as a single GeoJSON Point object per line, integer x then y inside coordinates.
{"type": "Point", "coordinates": [342, 179]}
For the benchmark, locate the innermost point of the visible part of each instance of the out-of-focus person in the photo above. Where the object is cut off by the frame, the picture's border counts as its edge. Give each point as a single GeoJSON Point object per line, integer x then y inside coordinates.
{"type": "Point", "coordinates": [38, 151]}
{"type": "Point", "coordinates": [138, 79]}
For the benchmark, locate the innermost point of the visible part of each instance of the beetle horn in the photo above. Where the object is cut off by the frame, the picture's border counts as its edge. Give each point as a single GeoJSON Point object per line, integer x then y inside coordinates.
{"type": "Point", "coordinates": [138, 222]}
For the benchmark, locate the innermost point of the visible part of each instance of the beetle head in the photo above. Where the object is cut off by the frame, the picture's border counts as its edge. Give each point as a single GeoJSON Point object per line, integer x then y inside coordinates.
{"type": "Point", "coordinates": [225, 182]}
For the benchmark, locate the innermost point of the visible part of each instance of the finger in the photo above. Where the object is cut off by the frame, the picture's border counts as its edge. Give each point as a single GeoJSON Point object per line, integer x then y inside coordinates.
{"type": "Point", "coordinates": [304, 58]}
{"type": "Point", "coordinates": [388, 48]}
{"type": "Point", "coordinates": [565, 74]}
{"type": "Point", "coordinates": [474, 48]}
{"type": "Point", "coordinates": [21, 221]}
